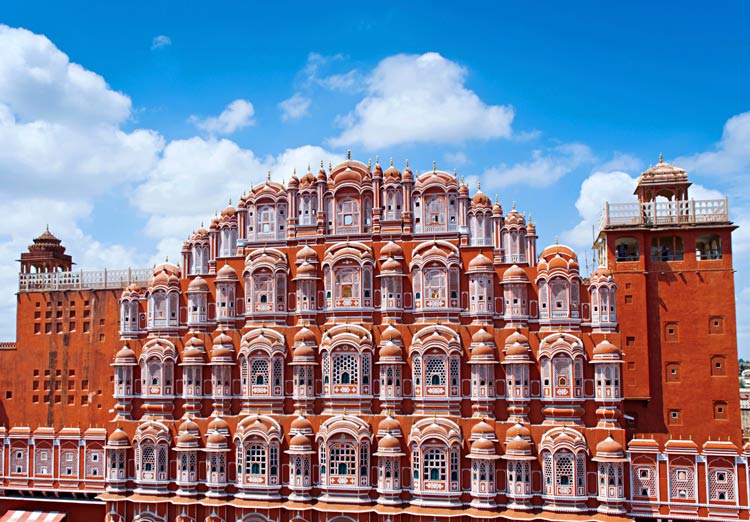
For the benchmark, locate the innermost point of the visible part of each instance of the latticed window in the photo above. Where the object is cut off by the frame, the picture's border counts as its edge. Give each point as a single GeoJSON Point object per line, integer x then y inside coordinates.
{"type": "Point", "coordinates": [455, 465]}
{"type": "Point", "coordinates": [417, 369]}
{"type": "Point", "coordinates": [547, 469]}
{"type": "Point", "coordinates": [682, 483]}
{"type": "Point", "coordinates": [347, 283]}
{"type": "Point", "coordinates": [42, 462]}
{"type": "Point", "coordinates": [434, 286]}
{"type": "Point", "coordinates": [273, 464]}
{"type": "Point", "coordinates": [343, 459]}
{"type": "Point", "coordinates": [263, 291]}
{"type": "Point", "coordinates": [259, 372]}
{"type": "Point", "coordinates": [345, 369]}
{"type": "Point", "coordinates": [18, 460]}
{"type": "Point", "coordinates": [721, 484]}
{"type": "Point", "coordinates": [148, 458]}
{"type": "Point", "coordinates": [562, 373]}
{"type": "Point", "coordinates": [564, 470]}
{"type": "Point", "coordinates": [364, 459]}
{"type": "Point", "coordinates": [581, 472]}
{"type": "Point", "coordinates": [415, 464]}
{"type": "Point", "coordinates": [644, 481]}
{"type": "Point", "coordinates": [434, 210]}
{"type": "Point", "coordinates": [266, 220]}
{"type": "Point", "coordinates": [255, 460]}
{"type": "Point", "coordinates": [69, 463]}
{"type": "Point", "coordinates": [434, 467]}
{"type": "Point", "coordinates": [322, 459]}
{"type": "Point", "coordinates": [435, 371]}
{"type": "Point", "coordinates": [455, 368]}
{"type": "Point", "coordinates": [277, 371]}
{"type": "Point", "coordinates": [347, 214]}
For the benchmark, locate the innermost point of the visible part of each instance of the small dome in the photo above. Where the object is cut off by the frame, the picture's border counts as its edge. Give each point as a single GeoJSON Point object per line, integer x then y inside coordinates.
{"type": "Point", "coordinates": [187, 439]}
{"type": "Point", "coordinates": [118, 436]}
{"type": "Point", "coordinates": [188, 425]}
{"type": "Point", "coordinates": [480, 198]}
{"type": "Point", "coordinates": [558, 263]}
{"type": "Point", "coordinates": [483, 351]}
{"type": "Point", "coordinates": [606, 348]}
{"type": "Point", "coordinates": [481, 262]}
{"type": "Point", "coordinates": [483, 445]}
{"type": "Point", "coordinates": [227, 273]}
{"type": "Point", "coordinates": [391, 249]}
{"type": "Point", "coordinates": [609, 446]}
{"type": "Point", "coordinates": [216, 439]}
{"type": "Point", "coordinates": [389, 442]}
{"type": "Point", "coordinates": [301, 423]}
{"type": "Point", "coordinates": [229, 211]}
{"type": "Point", "coordinates": [482, 336]}
{"type": "Point", "coordinates": [218, 424]}
{"type": "Point", "coordinates": [306, 270]}
{"type": "Point", "coordinates": [303, 352]}
{"type": "Point", "coordinates": [518, 430]}
{"type": "Point", "coordinates": [515, 272]}
{"type": "Point", "coordinates": [482, 429]}
{"type": "Point", "coordinates": [300, 440]}
{"type": "Point", "coordinates": [391, 265]}
{"type": "Point", "coordinates": [391, 334]}
{"type": "Point", "coordinates": [518, 444]}
{"type": "Point", "coordinates": [306, 253]}
{"type": "Point", "coordinates": [389, 425]}
{"type": "Point", "coordinates": [198, 285]}
{"type": "Point", "coordinates": [305, 335]}
{"type": "Point", "coordinates": [390, 350]}
{"type": "Point", "coordinates": [516, 337]}
{"type": "Point", "coordinates": [392, 174]}
{"type": "Point", "coordinates": [124, 354]}
{"type": "Point", "coordinates": [463, 190]}
{"type": "Point", "coordinates": [516, 349]}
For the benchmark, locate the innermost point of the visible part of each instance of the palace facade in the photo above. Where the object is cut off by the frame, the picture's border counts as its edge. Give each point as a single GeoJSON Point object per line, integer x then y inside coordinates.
{"type": "Point", "coordinates": [366, 344]}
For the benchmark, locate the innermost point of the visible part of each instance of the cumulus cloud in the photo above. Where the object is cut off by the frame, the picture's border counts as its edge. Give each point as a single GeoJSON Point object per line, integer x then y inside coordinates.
{"type": "Point", "coordinates": [418, 99]}
{"type": "Point", "coordinates": [160, 41]}
{"type": "Point", "coordinates": [544, 169]}
{"type": "Point", "coordinates": [295, 107]}
{"type": "Point", "coordinates": [318, 71]}
{"type": "Point", "coordinates": [730, 156]}
{"type": "Point", "coordinates": [237, 115]}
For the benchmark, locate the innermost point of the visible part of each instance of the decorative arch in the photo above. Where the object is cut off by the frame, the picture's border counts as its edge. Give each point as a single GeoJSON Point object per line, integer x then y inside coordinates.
{"type": "Point", "coordinates": [348, 275]}
{"type": "Point", "coordinates": [344, 445]}
{"type": "Point", "coordinates": [435, 456]}
{"type": "Point", "coordinates": [265, 211]}
{"type": "Point", "coordinates": [151, 440]}
{"type": "Point", "coordinates": [265, 273]}
{"type": "Point", "coordinates": [157, 362]}
{"type": "Point", "coordinates": [562, 357]}
{"type": "Point", "coordinates": [564, 452]}
{"type": "Point", "coordinates": [258, 446]}
{"type": "Point", "coordinates": [346, 353]}
{"type": "Point", "coordinates": [435, 202]}
{"type": "Point", "coordinates": [435, 269]}
{"type": "Point", "coordinates": [436, 362]}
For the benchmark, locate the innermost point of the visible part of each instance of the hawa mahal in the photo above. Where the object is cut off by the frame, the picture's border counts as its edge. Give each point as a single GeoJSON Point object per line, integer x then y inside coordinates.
{"type": "Point", "coordinates": [364, 344]}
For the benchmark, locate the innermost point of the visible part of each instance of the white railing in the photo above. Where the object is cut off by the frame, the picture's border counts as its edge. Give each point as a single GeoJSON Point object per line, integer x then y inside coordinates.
{"type": "Point", "coordinates": [83, 279]}
{"type": "Point", "coordinates": [665, 213]}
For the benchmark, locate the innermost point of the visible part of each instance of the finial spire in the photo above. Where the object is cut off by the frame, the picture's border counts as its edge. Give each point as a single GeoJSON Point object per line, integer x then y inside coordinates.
{"type": "Point", "coordinates": [407, 163]}
{"type": "Point", "coordinates": [348, 154]}
{"type": "Point", "coordinates": [434, 166]}
{"type": "Point", "coordinates": [321, 164]}
{"type": "Point", "coordinates": [391, 161]}
{"type": "Point", "coordinates": [377, 159]}
{"type": "Point", "coordinates": [661, 158]}
{"type": "Point", "coordinates": [455, 173]}
{"type": "Point", "coordinates": [557, 241]}
{"type": "Point", "coordinates": [294, 171]}
{"type": "Point", "coordinates": [230, 201]}
{"type": "Point", "coordinates": [462, 180]}
{"type": "Point", "coordinates": [330, 167]}
{"type": "Point", "coordinates": [479, 186]}
{"type": "Point", "coordinates": [369, 163]}
{"type": "Point", "coordinates": [497, 200]}
{"type": "Point", "coordinates": [268, 175]}
{"type": "Point", "coordinates": [308, 167]}
{"type": "Point", "coordinates": [514, 206]}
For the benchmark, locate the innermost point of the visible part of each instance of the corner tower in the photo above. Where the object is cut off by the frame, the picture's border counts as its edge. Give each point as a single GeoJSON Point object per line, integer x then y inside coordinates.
{"type": "Point", "coordinates": [671, 257]}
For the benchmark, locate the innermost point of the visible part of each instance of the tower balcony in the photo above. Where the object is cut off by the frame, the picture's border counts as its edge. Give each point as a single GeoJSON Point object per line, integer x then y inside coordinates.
{"type": "Point", "coordinates": [83, 279]}
{"type": "Point", "coordinates": [660, 213]}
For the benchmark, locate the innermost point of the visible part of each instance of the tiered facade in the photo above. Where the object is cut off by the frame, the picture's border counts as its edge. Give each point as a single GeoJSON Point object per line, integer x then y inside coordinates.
{"type": "Point", "coordinates": [366, 344]}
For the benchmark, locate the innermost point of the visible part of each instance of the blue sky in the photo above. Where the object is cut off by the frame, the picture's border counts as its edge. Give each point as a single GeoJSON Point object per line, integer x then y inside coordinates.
{"type": "Point", "coordinates": [111, 125]}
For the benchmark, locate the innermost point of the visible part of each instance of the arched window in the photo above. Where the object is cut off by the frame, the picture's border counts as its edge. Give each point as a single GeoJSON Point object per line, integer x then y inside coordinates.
{"type": "Point", "coordinates": [307, 209]}
{"type": "Point", "coordinates": [344, 449]}
{"type": "Point", "coordinates": [393, 202]}
{"type": "Point", "coordinates": [258, 440]}
{"type": "Point", "coordinates": [682, 482]}
{"type": "Point", "coordinates": [708, 247]}
{"type": "Point", "coordinates": [347, 216]}
{"type": "Point", "coordinates": [266, 226]}
{"type": "Point", "coordinates": [436, 466]}
{"type": "Point", "coordinates": [435, 213]}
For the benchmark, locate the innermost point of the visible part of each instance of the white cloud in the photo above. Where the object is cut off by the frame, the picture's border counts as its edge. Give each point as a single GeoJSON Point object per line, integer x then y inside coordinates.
{"type": "Point", "coordinates": [160, 41]}
{"type": "Point", "coordinates": [731, 155]}
{"type": "Point", "coordinates": [544, 169]}
{"type": "Point", "coordinates": [237, 115]}
{"type": "Point", "coordinates": [295, 107]}
{"type": "Point", "coordinates": [621, 161]}
{"type": "Point", "coordinates": [317, 72]}
{"type": "Point", "coordinates": [456, 159]}
{"type": "Point", "coordinates": [420, 98]}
